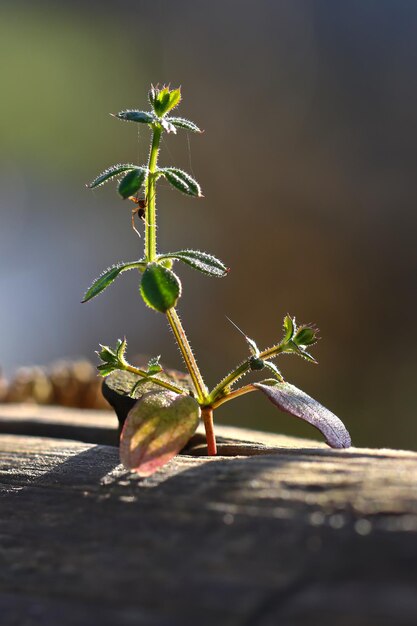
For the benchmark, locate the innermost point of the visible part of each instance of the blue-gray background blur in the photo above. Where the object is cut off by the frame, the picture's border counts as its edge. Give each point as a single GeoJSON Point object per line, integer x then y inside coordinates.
{"type": "Point", "coordinates": [308, 167]}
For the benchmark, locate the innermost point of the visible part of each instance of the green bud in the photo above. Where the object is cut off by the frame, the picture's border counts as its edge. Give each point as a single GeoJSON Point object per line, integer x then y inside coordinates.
{"type": "Point", "coordinates": [305, 336]}
{"type": "Point", "coordinates": [256, 363]}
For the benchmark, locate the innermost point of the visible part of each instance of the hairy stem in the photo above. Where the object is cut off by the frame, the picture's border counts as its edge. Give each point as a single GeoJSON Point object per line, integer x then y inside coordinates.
{"type": "Point", "coordinates": [220, 392]}
{"type": "Point", "coordinates": [150, 221]}
{"type": "Point", "coordinates": [233, 394]}
{"type": "Point", "coordinates": [207, 414]}
{"type": "Point", "coordinates": [153, 379]}
{"type": "Point", "coordinates": [187, 354]}
{"type": "Point", "coordinates": [241, 370]}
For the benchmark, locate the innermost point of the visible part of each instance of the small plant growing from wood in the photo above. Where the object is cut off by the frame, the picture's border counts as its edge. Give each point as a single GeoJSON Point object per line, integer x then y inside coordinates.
{"type": "Point", "coordinates": [166, 412]}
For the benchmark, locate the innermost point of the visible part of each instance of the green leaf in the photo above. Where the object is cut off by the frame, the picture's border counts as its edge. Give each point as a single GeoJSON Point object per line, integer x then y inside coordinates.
{"type": "Point", "coordinates": [132, 182]}
{"type": "Point", "coordinates": [295, 402]}
{"type": "Point", "coordinates": [301, 351]}
{"type": "Point", "coordinates": [133, 115]}
{"type": "Point", "coordinates": [156, 429]}
{"type": "Point", "coordinates": [289, 328]}
{"type": "Point", "coordinates": [160, 287]}
{"type": "Point", "coordinates": [305, 336]}
{"type": "Point", "coordinates": [110, 361]}
{"type": "Point", "coordinates": [201, 261]}
{"type": "Point", "coordinates": [105, 369]}
{"type": "Point", "coordinates": [110, 173]}
{"type": "Point", "coordinates": [163, 100]}
{"type": "Point", "coordinates": [174, 99]}
{"type": "Point", "coordinates": [253, 348]}
{"type": "Point", "coordinates": [154, 366]}
{"type": "Point", "coordinates": [106, 279]}
{"type": "Point", "coordinates": [180, 122]}
{"type": "Point", "coordinates": [107, 355]}
{"type": "Point", "coordinates": [273, 368]}
{"type": "Point", "coordinates": [160, 101]}
{"type": "Point", "coordinates": [181, 181]}
{"type": "Point", "coordinates": [121, 350]}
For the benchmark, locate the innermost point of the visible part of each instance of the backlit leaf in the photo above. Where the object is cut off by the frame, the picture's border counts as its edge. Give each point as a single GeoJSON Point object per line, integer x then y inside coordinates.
{"type": "Point", "coordinates": [106, 279]}
{"type": "Point", "coordinates": [160, 287]}
{"type": "Point", "coordinates": [110, 173]}
{"type": "Point", "coordinates": [160, 101]}
{"type": "Point", "coordinates": [180, 122]}
{"type": "Point", "coordinates": [164, 100]}
{"type": "Point", "coordinates": [181, 181]}
{"type": "Point", "coordinates": [273, 368]}
{"type": "Point", "coordinates": [133, 115]}
{"type": "Point", "coordinates": [295, 402]}
{"type": "Point", "coordinates": [293, 348]}
{"type": "Point", "coordinates": [156, 429]}
{"type": "Point", "coordinates": [289, 328]}
{"type": "Point", "coordinates": [132, 182]}
{"type": "Point", "coordinates": [154, 367]}
{"type": "Point", "coordinates": [202, 261]}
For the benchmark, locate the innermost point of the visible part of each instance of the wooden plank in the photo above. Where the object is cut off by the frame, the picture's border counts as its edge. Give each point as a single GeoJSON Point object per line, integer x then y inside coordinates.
{"type": "Point", "coordinates": [92, 426]}
{"type": "Point", "coordinates": [289, 536]}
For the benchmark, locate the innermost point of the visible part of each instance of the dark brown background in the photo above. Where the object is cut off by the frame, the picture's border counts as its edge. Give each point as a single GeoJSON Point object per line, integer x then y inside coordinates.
{"type": "Point", "coordinates": [307, 166]}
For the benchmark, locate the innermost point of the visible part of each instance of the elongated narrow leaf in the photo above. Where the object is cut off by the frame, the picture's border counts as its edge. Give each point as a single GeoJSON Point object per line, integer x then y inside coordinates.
{"type": "Point", "coordinates": [295, 402]}
{"type": "Point", "coordinates": [132, 182]}
{"type": "Point", "coordinates": [180, 122]}
{"type": "Point", "coordinates": [110, 173]}
{"type": "Point", "coordinates": [133, 115]}
{"type": "Point", "coordinates": [156, 429]}
{"type": "Point", "coordinates": [289, 328]}
{"type": "Point", "coordinates": [201, 261]}
{"type": "Point", "coordinates": [300, 351]}
{"type": "Point", "coordinates": [160, 287]}
{"type": "Point", "coordinates": [109, 276]}
{"type": "Point", "coordinates": [181, 181]}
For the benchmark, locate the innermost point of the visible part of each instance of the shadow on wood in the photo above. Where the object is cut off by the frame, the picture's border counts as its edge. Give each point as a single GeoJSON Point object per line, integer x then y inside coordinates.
{"type": "Point", "coordinates": [299, 536]}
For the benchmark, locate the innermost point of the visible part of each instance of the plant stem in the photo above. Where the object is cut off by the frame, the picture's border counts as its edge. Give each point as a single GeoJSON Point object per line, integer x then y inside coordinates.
{"type": "Point", "coordinates": [241, 370]}
{"type": "Point", "coordinates": [229, 380]}
{"type": "Point", "coordinates": [207, 414]}
{"type": "Point", "coordinates": [187, 354]}
{"type": "Point", "coordinates": [150, 222]}
{"type": "Point", "coordinates": [153, 379]}
{"type": "Point", "coordinates": [233, 394]}
{"type": "Point", "coordinates": [150, 255]}
{"type": "Point", "coordinates": [270, 353]}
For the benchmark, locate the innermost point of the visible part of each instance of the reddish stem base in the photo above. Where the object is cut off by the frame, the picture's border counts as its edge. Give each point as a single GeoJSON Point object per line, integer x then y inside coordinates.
{"type": "Point", "coordinates": [210, 436]}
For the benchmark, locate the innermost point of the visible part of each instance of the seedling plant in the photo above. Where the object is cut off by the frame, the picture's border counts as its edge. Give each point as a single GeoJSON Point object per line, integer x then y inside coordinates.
{"type": "Point", "coordinates": [162, 420]}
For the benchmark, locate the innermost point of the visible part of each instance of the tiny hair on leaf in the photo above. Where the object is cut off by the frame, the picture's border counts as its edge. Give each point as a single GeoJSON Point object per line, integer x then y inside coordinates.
{"type": "Point", "coordinates": [108, 277]}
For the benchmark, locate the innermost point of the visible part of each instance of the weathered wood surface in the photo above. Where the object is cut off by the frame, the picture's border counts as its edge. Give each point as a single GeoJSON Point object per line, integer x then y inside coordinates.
{"type": "Point", "coordinates": [289, 535]}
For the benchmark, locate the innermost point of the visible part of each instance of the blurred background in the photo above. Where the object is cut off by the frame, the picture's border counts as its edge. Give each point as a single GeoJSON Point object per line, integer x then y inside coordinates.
{"type": "Point", "coordinates": [308, 168]}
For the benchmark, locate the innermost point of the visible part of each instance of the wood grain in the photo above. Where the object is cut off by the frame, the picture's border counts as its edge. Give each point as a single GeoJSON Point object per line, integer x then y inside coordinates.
{"type": "Point", "coordinates": [286, 532]}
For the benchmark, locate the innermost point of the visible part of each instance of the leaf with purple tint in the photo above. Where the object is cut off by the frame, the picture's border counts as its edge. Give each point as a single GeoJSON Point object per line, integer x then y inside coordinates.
{"type": "Point", "coordinates": [157, 427]}
{"type": "Point", "coordinates": [295, 402]}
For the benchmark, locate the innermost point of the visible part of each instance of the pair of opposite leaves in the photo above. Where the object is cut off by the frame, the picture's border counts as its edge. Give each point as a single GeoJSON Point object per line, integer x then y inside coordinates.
{"type": "Point", "coordinates": [162, 422]}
